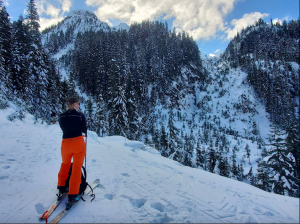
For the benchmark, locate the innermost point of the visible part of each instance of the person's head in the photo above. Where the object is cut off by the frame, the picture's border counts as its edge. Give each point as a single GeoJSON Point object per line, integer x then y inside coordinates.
{"type": "Point", "coordinates": [73, 103]}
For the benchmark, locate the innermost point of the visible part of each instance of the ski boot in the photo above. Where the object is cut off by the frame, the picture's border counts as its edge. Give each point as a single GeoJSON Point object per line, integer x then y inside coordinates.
{"type": "Point", "coordinates": [62, 190]}
{"type": "Point", "coordinates": [72, 200]}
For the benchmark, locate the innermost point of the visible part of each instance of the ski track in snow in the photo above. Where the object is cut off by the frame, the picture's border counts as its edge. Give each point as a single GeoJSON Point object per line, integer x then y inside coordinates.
{"type": "Point", "coordinates": [136, 184]}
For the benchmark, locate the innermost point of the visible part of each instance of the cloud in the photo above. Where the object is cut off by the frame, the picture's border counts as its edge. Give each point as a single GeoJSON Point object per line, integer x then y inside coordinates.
{"type": "Point", "coordinates": [53, 10]}
{"type": "Point", "coordinates": [202, 19]}
{"type": "Point", "coordinates": [212, 55]}
{"type": "Point", "coordinates": [280, 20]}
{"type": "Point", "coordinates": [217, 51]}
{"type": "Point", "coordinates": [44, 22]}
{"type": "Point", "coordinates": [239, 24]}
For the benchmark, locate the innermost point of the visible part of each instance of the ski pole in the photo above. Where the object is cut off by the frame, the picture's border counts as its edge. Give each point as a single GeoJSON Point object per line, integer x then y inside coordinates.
{"type": "Point", "coordinates": [85, 148]}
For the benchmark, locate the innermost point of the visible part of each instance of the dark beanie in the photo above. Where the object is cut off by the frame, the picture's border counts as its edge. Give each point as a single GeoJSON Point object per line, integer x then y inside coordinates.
{"type": "Point", "coordinates": [72, 100]}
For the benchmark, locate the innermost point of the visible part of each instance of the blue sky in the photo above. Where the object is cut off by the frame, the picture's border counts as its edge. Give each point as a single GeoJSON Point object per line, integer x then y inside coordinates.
{"type": "Point", "coordinates": [212, 23]}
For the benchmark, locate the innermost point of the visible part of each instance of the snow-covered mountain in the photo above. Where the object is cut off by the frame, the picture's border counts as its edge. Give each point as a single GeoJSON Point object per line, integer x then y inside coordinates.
{"type": "Point", "coordinates": [216, 107]}
{"type": "Point", "coordinates": [79, 21]}
{"type": "Point", "coordinates": [60, 38]}
{"type": "Point", "coordinates": [121, 26]}
{"type": "Point", "coordinates": [269, 54]}
{"type": "Point", "coordinates": [136, 183]}
{"type": "Point", "coordinates": [149, 84]}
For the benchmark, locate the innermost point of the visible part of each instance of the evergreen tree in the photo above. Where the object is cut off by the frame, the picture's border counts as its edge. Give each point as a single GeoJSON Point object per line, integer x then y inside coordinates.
{"type": "Point", "coordinates": [100, 117]}
{"type": "Point", "coordinates": [224, 167]}
{"type": "Point", "coordinates": [252, 179]}
{"type": "Point", "coordinates": [278, 160]}
{"type": "Point", "coordinates": [37, 66]}
{"type": "Point", "coordinates": [234, 169]}
{"type": "Point", "coordinates": [64, 94]}
{"type": "Point", "coordinates": [248, 152]}
{"type": "Point", "coordinates": [163, 143]}
{"type": "Point", "coordinates": [53, 88]}
{"type": "Point", "coordinates": [19, 76]}
{"type": "Point", "coordinates": [5, 38]}
{"type": "Point", "coordinates": [2, 70]}
{"type": "Point", "coordinates": [211, 158]}
{"type": "Point", "coordinates": [179, 154]}
{"type": "Point", "coordinates": [119, 113]}
{"type": "Point", "coordinates": [187, 160]}
{"type": "Point", "coordinates": [240, 172]}
{"type": "Point", "coordinates": [173, 134]}
{"type": "Point", "coordinates": [32, 22]}
{"type": "Point", "coordinates": [292, 143]}
{"type": "Point", "coordinates": [142, 127]}
{"type": "Point", "coordinates": [113, 82]}
{"type": "Point", "coordinates": [264, 173]}
{"type": "Point", "coordinates": [132, 110]}
{"type": "Point", "coordinates": [72, 85]}
{"type": "Point", "coordinates": [156, 138]}
{"type": "Point", "coordinates": [187, 151]}
{"type": "Point", "coordinates": [200, 155]}
{"type": "Point", "coordinates": [90, 115]}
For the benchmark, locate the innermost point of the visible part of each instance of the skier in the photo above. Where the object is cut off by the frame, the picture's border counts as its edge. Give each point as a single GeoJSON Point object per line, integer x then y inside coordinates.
{"type": "Point", "coordinates": [73, 124]}
{"type": "Point", "coordinates": [53, 115]}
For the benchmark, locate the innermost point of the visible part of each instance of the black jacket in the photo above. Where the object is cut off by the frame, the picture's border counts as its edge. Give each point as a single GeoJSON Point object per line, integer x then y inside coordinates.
{"type": "Point", "coordinates": [72, 123]}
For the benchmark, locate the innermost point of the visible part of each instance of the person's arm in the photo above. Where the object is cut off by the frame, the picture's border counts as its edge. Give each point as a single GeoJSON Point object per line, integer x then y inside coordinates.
{"type": "Point", "coordinates": [60, 124]}
{"type": "Point", "coordinates": [83, 125]}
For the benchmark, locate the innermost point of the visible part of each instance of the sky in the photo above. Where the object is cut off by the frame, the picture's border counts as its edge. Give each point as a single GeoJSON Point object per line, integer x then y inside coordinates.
{"type": "Point", "coordinates": [211, 23]}
{"type": "Point", "coordinates": [137, 184]}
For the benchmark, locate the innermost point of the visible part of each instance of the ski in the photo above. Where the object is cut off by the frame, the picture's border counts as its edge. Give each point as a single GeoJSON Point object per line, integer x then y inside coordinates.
{"type": "Point", "coordinates": [52, 207]}
{"type": "Point", "coordinates": [65, 212]}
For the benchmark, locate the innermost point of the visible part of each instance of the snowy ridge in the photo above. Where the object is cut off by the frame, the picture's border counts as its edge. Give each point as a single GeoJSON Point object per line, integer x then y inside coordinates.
{"type": "Point", "coordinates": [83, 21]}
{"type": "Point", "coordinates": [121, 26]}
{"type": "Point", "coordinates": [83, 13]}
{"type": "Point", "coordinates": [137, 184]}
{"type": "Point", "coordinates": [78, 21]}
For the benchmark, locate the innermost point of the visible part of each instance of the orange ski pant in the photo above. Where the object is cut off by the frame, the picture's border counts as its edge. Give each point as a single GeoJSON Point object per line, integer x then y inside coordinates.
{"type": "Point", "coordinates": [72, 148]}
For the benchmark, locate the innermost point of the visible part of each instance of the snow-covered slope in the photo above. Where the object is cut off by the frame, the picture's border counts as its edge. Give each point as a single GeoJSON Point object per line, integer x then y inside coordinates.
{"type": "Point", "coordinates": [233, 100]}
{"type": "Point", "coordinates": [137, 184]}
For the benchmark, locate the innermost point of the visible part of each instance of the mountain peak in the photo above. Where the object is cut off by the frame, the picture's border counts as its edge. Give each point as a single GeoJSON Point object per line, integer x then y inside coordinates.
{"type": "Point", "coordinates": [84, 13]}
{"type": "Point", "coordinates": [121, 26]}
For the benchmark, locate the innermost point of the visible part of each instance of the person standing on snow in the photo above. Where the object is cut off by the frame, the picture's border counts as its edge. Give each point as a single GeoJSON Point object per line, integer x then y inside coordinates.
{"type": "Point", "coordinates": [73, 124]}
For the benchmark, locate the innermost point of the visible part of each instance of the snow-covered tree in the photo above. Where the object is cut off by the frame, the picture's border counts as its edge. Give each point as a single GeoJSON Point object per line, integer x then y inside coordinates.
{"type": "Point", "coordinates": [173, 134]}
{"type": "Point", "coordinates": [224, 167]}
{"type": "Point", "coordinates": [264, 179]}
{"type": "Point", "coordinates": [37, 66]}
{"type": "Point", "coordinates": [211, 158]}
{"type": "Point", "coordinates": [18, 79]}
{"type": "Point", "coordinates": [278, 159]}
{"type": "Point", "coordinates": [163, 143]}
{"type": "Point", "coordinates": [5, 39]}
{"type": "Point", "coordinates": [131, 107]}
{"type": "Point", "coordinates": [100, 117]}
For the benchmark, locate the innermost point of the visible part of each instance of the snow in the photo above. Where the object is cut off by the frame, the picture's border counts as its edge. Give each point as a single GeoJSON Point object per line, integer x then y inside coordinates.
{"type": "Point", "coordinates": [137, 184]}
{"type": "Point", "coordinates": [121, 26]}
{"type": "Point", "coordinates": [82, 13]}
{"type": "Point", "coordinates": [64, 51]}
